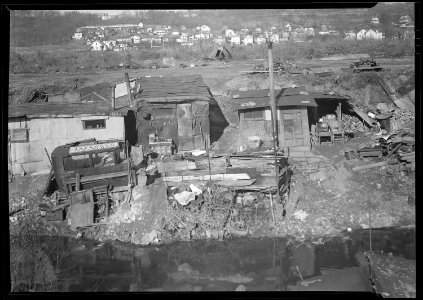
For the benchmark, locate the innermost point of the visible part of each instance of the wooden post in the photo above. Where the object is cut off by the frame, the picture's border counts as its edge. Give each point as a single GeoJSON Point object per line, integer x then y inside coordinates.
{"type": "Point", "coordinates": [128, 87]}
{"type": "Point", "coordinates": [77, 182]}
{"type": "Point", "coordinates": [274, 119]}
{"type": "Point", "coordinates": [113, 97]}
{"type": "Point", "coordinates": [272, 95]}
{"type": "Point", "coordinates": [367, 96]}
{"type": "Point", "coordinates": [338, 112]}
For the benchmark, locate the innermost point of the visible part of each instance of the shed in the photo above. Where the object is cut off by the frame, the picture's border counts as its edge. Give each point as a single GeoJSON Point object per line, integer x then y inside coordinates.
{"type": "Point", "coordinates": [293, 107]}
{"type": "Point", "coordinates": [174, 108]}
{"type": "Point", "coordinates": [34, 127]}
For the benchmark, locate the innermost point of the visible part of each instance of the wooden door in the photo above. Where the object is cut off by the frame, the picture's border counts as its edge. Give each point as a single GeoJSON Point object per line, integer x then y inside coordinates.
{"type": "Point", "coordinates": [294, 128]}
{"type": "Point", "coordinates": [82, 208]}
{"type": "Point", "coordinates": [185, 132]}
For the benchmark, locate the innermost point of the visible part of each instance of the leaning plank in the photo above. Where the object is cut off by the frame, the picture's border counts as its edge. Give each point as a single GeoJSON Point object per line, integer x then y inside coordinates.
{"type": "Point", "coordinates": [363, 115]}
{"type": "Point", "coordinates": [375, 165]}
{"type": "Point", "coordinates": [238, 183]}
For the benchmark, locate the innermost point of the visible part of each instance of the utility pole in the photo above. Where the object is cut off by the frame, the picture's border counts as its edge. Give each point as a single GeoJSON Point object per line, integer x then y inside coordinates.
{"type": "Point", "coordinates": [272, 95]}
{"type": "Point", "coordinates": [274, 121]}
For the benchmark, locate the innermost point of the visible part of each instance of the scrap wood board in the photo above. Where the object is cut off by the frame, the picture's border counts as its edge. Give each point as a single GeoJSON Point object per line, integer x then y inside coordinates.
{"type": "Point", "coordinates": [239, 176]}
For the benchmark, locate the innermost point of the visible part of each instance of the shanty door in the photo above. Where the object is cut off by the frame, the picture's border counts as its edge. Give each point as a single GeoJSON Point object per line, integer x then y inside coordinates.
{"type": "Point", "coordinates": [294, 128]}
{"type": "Point", "coordinates": [185, 127]}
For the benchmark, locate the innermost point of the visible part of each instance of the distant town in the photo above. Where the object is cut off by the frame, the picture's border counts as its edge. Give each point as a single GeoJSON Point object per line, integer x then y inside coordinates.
{"type": "Point", "coordinates": [122, 37]}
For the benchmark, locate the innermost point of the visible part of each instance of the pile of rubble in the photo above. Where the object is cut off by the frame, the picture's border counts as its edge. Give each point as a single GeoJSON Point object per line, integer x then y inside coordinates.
{"type": "Point", "coordinates": [353, 124]}
{"type": "Point", "coordinates": [403, 116]}
{"type": "Point", "coordinates": [397, 149]}
{"type": "Point", "coordinates": [279, 65]}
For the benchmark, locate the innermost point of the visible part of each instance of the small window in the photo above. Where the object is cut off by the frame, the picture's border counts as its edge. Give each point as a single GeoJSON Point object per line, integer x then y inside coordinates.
{"type": "Point", "coordinates": [94, 124]}
{"type": "Point", "coordinates": [254, 114]}
{"type": "Point", "coordinates": [163, 112]}
{"type": "Point", "coordinates": [72, 163]}
{"type": "Point", "coordinates": [18, 135]}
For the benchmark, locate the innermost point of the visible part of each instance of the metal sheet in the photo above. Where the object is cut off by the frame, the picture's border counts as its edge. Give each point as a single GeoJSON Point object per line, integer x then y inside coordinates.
{"type": "Point", "coordinates": [82, 208]}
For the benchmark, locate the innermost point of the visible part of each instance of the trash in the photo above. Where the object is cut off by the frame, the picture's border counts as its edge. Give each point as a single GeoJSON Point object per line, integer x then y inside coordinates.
{"type": "Point", "coordinates": [198, 152]}
{"type": "Point", "coordinates": [186, 268]}
{"type": "Point", "coordinates": [240, 288]}
{"type": "Point", "coordinates": [184, 197]}
{"type": "Point", "coordinates": [149, 238]}
{"type": "Point", "coordinates": [300, 215]}
{"type": "Point", "coordinates": [195, 190]}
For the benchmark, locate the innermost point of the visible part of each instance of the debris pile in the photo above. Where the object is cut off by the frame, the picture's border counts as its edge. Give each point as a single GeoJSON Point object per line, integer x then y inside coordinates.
{"type": "Point", "coordinates": [402, 116]}
{"type": "Point", "coordinates": [279, 65]}
{"type": "Point", "coordinates": [353, 124]}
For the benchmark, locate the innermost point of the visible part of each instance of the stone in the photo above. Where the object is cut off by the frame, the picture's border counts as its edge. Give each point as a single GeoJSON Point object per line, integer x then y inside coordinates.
{"type": "Point", "coordinates": [317, 176]}
{"type": "Point", "coordinates": [240, 288]}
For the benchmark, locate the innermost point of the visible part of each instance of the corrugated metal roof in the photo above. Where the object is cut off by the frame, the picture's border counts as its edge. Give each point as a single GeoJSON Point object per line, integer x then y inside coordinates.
{"type": "Point", "coordinates": [176, 89]}
{"type": "Point", "coordinates": [57, 110]}
{"type": "Point", "coordinates": [284, 97]}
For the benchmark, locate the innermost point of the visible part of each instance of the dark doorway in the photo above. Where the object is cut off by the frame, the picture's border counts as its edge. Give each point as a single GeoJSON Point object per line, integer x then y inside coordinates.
{"type": "Point", "coordinates": [131, 128]}
{"type": "Point", "coordinates": [218, 122]}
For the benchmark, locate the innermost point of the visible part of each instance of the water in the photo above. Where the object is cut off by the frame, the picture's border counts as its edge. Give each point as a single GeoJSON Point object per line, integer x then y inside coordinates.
{"type": "Point", "coordinates": [259, 264]}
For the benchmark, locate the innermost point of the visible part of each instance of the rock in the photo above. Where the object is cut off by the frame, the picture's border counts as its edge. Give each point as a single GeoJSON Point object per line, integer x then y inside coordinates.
{"type": "Point", "coordinates": [184, 197]}
{"type": "Point", "coordinates": [149, 238]}
{"type": "Point", "coordinates": [317, 176]}
{"type": "Point", "coordinates": [240, 288]}
{"type": "Point", "coordinates": [411, 200]}
{"type": "Point", "coordinates": [185, 268]}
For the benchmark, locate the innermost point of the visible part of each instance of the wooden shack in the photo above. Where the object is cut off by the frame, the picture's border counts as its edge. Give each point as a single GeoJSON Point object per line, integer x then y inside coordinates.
{"type": "Point", "coordinates": [294, 107]}
{"type": "Point", "coordinates": [176, 108]}
{"type": "Point", "coordinates": [36, 129]}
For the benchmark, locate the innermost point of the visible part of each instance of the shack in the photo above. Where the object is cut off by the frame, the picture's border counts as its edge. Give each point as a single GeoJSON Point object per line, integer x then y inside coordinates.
{"type": "Point", "coordinates": [36, 129]}
{"type": "Point", "coordinates": [295, 108]}
{"type": "Point", "coordinates": [174, 109]}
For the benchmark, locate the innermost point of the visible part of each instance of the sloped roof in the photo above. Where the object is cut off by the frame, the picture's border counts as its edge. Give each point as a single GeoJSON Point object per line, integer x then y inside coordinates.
{"type": "Point", "coordinates": [57, 110]}
{"type": "Point", "coordinates": [173, 89]}
{"type": "Point", "coordinates": [284, 97]}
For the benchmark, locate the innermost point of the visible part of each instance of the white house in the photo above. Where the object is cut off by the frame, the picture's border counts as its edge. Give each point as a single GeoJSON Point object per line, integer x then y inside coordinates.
{"type": "Point", "coordinates": [77, 35]}
{"type": "Point", "coordinates": [98, 46]}
{"type": "Point", "coordinates": [184, 37]}
{"type": "Point", "coordinates": [149, 30]}
{"type": "Point", "coordinates": [258, 30]}
{"type": "Point", "coordinates": [350, 35]}
{"type": "Point", "coordinates": [288, 27]}
{"type": "Point", "coordinates": [236, 39]}
{"type": "Point", "coordinates": [198, 28]}
{"type": "Point", "coordinates": [310, 31]}
{"type": "Point", "coordinates": [175, 32]}
{"type": "Point", "coordinates": [159, 32]}
{"type": "Point", "coordinates": [136, 39]}
{"type": "Point", "coordinates": [220, 40]}
{"type": "Point", "coordinates": [375, 20]}
{"type": "Point", "coordinates": [229, 33]}
{"type": "Point", "coordinates": [248, 40]}
{"type": "Point", "coordinates": [140, 25]}
{"type": "Point", "coordinates": [205, 28]}
{"type": "Point", "coordinates": [371, 34]}
{"type": "Point", "coordinates": [284, 36]}
{"type": "Point", "coordinates": [361, 34]}
{"type": "Point", "coordinates": [200, 36]}
{"type": "Point", "coordinates": [405, 20]}
{"type": "Point", "coordinates": [275, 38]}
{"type": "Point", "coordinates": [260, 40]}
